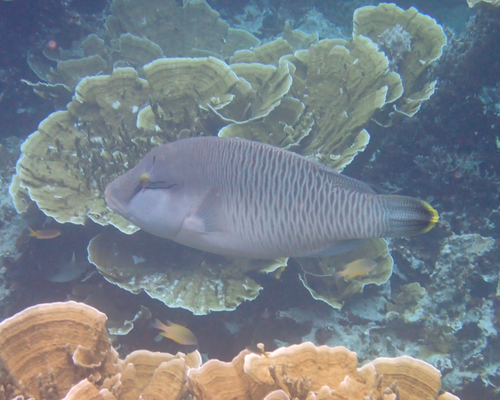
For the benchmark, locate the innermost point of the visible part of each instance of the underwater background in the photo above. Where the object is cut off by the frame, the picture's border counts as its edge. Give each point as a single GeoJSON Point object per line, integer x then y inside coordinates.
{"type": "Point", "coordinates": [425, 124]}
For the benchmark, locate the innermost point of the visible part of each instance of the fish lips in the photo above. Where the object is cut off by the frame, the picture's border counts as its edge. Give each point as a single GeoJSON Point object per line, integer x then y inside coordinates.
{"type": "Point", "coordinates": [114, 199]}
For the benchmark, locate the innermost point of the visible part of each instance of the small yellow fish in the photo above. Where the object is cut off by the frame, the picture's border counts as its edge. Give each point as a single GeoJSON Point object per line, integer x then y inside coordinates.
{"type": "Point", "coordinates": [356, 268]}
{"type": "Point", "coordinates": [177, 333]}
{"type": "Point", "coordinates": [44, 233]}
{"type": "Point", "coordinates": [278, 272]}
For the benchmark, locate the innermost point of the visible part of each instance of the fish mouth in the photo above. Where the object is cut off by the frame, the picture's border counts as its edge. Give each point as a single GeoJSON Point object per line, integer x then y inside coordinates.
{"type": "Point", "coordinates": [114, 205]}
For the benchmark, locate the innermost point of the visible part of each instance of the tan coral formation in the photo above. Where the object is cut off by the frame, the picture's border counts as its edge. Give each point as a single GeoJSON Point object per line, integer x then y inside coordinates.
{"type": "Point", "coordinates": [36, 346]}
{"type": "Point", "coordinates": [48, 348]}
{"type": "Point", "coordinates": [415, 379]}
{"type": "Point", "coordinates": [320, 279]}
{"type": "Point", "coordinates": [174, 274]}
{"type": "Point", "coordinates": [151, 375]}
{"type": "Point", "coordinates": [305, 371]}
{"type": "Point", "coordinates": [55, 350]}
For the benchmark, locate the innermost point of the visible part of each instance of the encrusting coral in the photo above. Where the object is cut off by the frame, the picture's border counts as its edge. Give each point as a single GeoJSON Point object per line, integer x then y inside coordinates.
{"type": "Point", "coordinates": [319, 275]}
{"type": "Point", "coordinates": [48, 348]}
{"type": "Point", "coordinates": [36, 347]}
{"type": "Point", "coordinates": [308, 372]}
{"type": "Point", "coordinates": [137, 34]}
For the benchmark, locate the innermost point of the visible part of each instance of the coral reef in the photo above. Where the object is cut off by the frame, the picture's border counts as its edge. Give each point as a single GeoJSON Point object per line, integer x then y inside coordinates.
{"type": "Point", "coordinates": [113, 120]}
{"type": "Point", "coordinates": [441, 304]}
{"type": "Point", "coordinates": [48, 348]}
{"type": "Point", "coordinates": [447, 321]}
{"type": "Point", "coordinates": [79, 362]}
{"type": "Point", "coordinates": [176, 275]}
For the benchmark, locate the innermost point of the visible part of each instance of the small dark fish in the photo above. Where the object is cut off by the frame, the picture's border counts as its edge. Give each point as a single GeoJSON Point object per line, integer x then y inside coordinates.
{"type": "Point", "coordinates": [240, 198]}
{"type": "Point", "coordinates": [67, 272]}
{"type": "Point", "coordinates": [44, 233]}
{"type": "Point", "coordinates": [177, 333]}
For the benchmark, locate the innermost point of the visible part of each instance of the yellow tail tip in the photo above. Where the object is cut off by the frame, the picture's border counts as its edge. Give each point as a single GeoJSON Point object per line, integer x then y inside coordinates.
{"type": "Point", "coordinates": [434, 217]}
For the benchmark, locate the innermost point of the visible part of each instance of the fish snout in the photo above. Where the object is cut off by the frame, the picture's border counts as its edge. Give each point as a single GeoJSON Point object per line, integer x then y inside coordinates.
{"type": "Point", "coordinates": [113, 203]}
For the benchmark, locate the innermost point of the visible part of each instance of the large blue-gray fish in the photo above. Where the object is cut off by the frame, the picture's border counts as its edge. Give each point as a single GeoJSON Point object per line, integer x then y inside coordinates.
{"type": "Point", "coordinates": [241, 198]}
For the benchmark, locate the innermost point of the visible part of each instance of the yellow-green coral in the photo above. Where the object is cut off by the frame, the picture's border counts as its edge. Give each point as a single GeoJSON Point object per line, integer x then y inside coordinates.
{"type": "Point", "coordinates": [387, 24]}
{"type": "Point", "coordinates": [319, 274]}
{"type": "Point", "coordinates": [66, 164]}
{"type": "Point", "coordinates": [344, 84]}
{"type": "Point", "coordinates": [176, 275]}
{"type": "Point", "coordinates": [316, 101]}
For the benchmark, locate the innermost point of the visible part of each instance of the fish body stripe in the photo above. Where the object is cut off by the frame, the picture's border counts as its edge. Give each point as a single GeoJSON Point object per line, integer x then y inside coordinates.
{"type": "Point", "coordinates": [277, 199]}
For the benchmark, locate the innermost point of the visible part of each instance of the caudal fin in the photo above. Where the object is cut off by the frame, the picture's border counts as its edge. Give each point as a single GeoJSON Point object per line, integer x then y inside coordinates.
{"type": "Point", "coordinates": [409, 216]}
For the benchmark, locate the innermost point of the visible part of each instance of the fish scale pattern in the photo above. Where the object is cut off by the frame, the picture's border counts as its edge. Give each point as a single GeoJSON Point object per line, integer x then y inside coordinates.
{"type": "Point", "coordinates": [279, 200]}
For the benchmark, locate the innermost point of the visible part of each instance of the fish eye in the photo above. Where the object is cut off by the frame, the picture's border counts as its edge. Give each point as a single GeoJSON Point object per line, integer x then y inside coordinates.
{"type": "Point", "coordinates": [144, 180]}
{"type": "Point", "coordinates": [146, 183]}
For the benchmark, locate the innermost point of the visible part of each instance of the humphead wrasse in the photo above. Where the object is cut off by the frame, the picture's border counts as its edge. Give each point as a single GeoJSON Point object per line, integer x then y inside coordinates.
{"type": "Point", "coordinates": [241, 198]}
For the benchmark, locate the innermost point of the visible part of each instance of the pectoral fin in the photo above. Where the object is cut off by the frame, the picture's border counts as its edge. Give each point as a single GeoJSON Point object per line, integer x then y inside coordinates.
{"type": "Point", "coordinates": [205, 215]}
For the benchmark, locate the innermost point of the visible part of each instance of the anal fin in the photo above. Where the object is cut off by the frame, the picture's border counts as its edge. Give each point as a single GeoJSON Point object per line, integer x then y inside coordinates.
{"type": "Point", "coordinates": [339, 247]}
